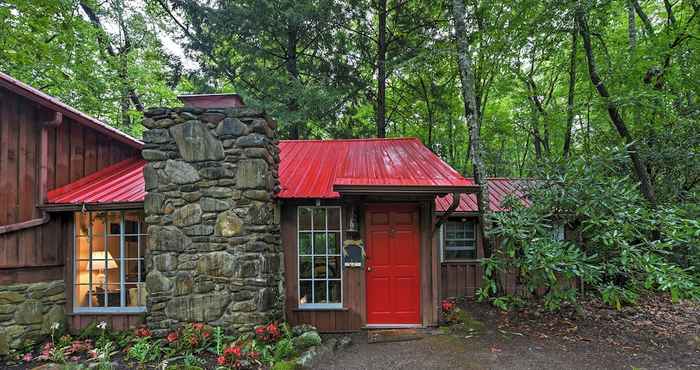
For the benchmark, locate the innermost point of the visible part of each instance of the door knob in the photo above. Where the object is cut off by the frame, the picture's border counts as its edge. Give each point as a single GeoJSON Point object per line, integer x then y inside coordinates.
{"type": "Point", "coordinates": [369, 269]}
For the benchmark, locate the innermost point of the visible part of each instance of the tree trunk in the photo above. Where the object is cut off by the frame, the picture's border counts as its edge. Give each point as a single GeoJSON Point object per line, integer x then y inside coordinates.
{"type": "Point", "coordinates": [381, 71]}
{"type": "Point", "coordinates": [570, 97]}
{"type": "Point", "coordinates": [466, 77]}
{"type": "Point", "coordinates": [426, 96]}
{"type": "Point", "coordinates": [613, 111]}
{"type": "Point", "coordinates": [293, 72]}
{"type": "Point", "coordinates": [631, 26]}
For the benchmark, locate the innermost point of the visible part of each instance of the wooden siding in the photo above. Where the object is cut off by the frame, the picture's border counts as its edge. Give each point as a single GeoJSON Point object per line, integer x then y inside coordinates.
{"type": "Point", "coordinates": [114, 321]}
{"type": "Point", "coordinates": [352, 317]}
{"type": "Point", "coordinates": [73, 151]}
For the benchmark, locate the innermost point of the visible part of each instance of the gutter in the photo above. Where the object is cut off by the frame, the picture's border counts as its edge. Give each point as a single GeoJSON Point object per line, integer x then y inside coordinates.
{"type": "Point", "coordinates": [43, 179]}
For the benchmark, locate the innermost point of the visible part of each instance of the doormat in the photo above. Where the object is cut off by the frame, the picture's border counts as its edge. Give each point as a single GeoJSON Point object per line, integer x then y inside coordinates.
{"type": "Point", "coordinates": [393, 335]}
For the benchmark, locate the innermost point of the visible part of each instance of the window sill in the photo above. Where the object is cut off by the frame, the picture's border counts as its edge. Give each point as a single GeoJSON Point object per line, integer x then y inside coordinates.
{"type": "Point", "coordinates": [319, 308]}
{"type": "Point", "coordinates": [113, 311]}
{"type": "Point", "coordinates": [475, 260]}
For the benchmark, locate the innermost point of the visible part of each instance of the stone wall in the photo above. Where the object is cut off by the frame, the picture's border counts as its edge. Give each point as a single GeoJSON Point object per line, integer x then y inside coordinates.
{"type": "Point", "coordinates": [214, 251]}
{"type": "Point", "coordinates": [28, 310]}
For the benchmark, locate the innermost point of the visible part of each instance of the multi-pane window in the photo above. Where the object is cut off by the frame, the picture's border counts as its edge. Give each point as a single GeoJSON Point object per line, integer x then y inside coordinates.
{"type": "Point", "coordinates": [109, 261]}
{"type": "Point", "coordinates": [459, 241]}
{"type": "Point", "coordinates": [319, 242]}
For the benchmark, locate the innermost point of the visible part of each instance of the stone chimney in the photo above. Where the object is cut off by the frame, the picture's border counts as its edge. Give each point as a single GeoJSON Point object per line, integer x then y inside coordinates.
{"type": "Point", "coordinates": [214, 252]}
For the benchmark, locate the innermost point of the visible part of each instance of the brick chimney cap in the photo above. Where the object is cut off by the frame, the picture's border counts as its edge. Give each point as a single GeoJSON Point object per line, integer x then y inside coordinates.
{"type": "Point", "coordinates": [212, 100]}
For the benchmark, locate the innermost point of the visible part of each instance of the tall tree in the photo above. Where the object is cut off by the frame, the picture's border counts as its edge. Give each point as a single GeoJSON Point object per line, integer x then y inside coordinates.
{"type": "Point", "coordinates": [640, 168]}
{"type": "Point", "coordinates": [466, 76]}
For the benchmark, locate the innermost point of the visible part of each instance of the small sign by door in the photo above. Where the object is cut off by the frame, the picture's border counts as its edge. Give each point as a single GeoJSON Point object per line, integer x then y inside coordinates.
{"type": "Point", "coordinates": [353, 253]}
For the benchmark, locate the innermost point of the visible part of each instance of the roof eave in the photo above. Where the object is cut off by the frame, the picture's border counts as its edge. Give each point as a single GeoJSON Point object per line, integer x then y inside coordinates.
{"type": "Point", "coordinates": [404, 189]}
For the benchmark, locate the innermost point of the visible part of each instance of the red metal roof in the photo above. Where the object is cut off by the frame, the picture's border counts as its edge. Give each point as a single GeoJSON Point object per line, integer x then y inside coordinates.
{"type": "Point", "coordinates": [308, 169]}
{"type": "Point", "coordinates": [499, 189]}
{"type": "Point", "coordinates": [54, 104]}
{"type": "Point", "coordinates": [119, 183]}
{"type": "Point", "coordinates": [311, 168]}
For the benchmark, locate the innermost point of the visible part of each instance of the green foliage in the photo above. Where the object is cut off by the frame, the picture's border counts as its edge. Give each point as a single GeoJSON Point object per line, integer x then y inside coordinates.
{"type": "Point", "coordinates": [144, 350]}
{"type": "Point", "coordinates": [619, 246]}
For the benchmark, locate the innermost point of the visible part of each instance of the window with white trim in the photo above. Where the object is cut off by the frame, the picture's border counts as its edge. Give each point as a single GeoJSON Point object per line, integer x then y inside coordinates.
{"type": "Point", "coordinates": [459, 240]}
{"type": "Point", "coordinates": [108, 268]}
{"type": "Point", "coordinates": [319, 246]}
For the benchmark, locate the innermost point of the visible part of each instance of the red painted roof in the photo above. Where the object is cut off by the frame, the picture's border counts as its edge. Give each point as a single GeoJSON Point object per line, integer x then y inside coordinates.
{"type": "Point", "coordinates": [119, 183]}
{"type": "Point", "coordinates": [56, 105]}
{"type": "Point", "coordinates": [308, 169]}
{"type": "Point", "coordinates": [499, 189]}
{"type": "Point", "coordinates": [311, 168]}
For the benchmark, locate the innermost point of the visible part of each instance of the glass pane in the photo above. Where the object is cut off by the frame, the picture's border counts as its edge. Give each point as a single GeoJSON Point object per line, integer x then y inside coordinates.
{"type": "Point", "coordinates": [319, 243]}
{"type": "Point", "coordinates": [304, 243]}
{"type": "Point", "coordinates": [82, 247]}
{"type": "Point", "coordinates": [114, 250]}
{"type": "Point", "coordinates": [320, 267]}
{"type": "Point", "coordinates": [98, 223]}
{"type": "Point", "coordinates": [84, 274]}
{"type": "Point", "coordinates": [460, 254]}
{"type": "Point", "coordinates": [82, 295]}
{"type": "Point", "coordinates": [113, 295]}
{"type": "Point", "coordinates": [133, 223]}
{"type": "Point", "coordinates": [305, 292]}
{"type": "Point", "coordinates": [333, 243]}
{"type": "Point", "coordinates": [304, 218]}
{"type": "Point", "coordinates": [333, 218]}
{"type": "Point", "coordinates": [133, 296]}
{"type": "Point", "coordinates": [114, 223]}
{"type": "Point", "coordinates": [469, 230]}
{"type": "Point", "coordinates": [455, 244]}
{"type": "Point", "coordinates": [319, 218]}
{"type": "Point", "coordinates": [132, 271]}
{"type": "Point", "coordinates": [334, 267]}
{"type": "Point", "coordinates": [82, 223]}
{"type": "Point", "coordinates": [131, 246]}
{"type": "Point", "coordinates": [305, 267]}
{"type": "Point", "coordinates": [334, 291]}
{"type": "Point", "coordinates": [320, 291]}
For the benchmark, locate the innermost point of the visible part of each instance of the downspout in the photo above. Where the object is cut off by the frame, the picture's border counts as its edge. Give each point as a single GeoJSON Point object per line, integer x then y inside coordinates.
{"type": "Point", "coordinates": [43, 179]}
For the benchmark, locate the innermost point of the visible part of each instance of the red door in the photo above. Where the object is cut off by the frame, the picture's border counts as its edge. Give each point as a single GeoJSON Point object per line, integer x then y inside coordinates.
{"type": "Point", "coordinates": [392, 267]}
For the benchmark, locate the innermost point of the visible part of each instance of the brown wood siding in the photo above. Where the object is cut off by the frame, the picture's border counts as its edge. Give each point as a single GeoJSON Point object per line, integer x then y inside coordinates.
{"type": "Point", "coordinates": [73, 151]}
{"type": "Point", "coordinates": [461, 279]}
{"type": "Point", "coordinates": [352, 317]}
{"type": "Point", "coordinates": [114, 321]}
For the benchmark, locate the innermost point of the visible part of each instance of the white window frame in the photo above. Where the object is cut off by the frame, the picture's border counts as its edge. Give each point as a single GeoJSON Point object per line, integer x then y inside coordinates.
{"type": "Point", "coordinates": [141, 234]}
{"type": "Point", "coordinates": [319, 306]}
{"type": "Point", "coordinates": [443, 243]}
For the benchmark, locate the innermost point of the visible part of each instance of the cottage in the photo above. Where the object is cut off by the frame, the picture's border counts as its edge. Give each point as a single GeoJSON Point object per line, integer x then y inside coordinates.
{"type": "Point", "coordinates": [213, 219]}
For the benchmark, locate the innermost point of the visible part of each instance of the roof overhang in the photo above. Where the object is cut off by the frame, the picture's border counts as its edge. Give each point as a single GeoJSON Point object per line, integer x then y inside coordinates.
{"type": "Point", "coordinates": [70, 207]}
{"type": "Point", "coordinates": [404, 189]}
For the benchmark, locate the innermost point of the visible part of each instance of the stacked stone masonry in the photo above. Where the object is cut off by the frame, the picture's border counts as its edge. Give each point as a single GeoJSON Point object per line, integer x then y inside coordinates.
{"type": "Point", "coordinates": [27, 312]}
{"type": "Point", "coordinates": [214, 252]}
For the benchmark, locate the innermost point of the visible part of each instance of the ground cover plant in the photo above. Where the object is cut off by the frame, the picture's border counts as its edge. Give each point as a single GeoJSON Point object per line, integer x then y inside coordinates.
{"type": "Point", "coordinates": [192, 346]}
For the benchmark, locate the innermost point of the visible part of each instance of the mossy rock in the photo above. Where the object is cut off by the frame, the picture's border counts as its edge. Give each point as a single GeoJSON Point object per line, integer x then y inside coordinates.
{"type": "Point", "coordinates": [306, 340]}
{"type": "Point", "coordinates": [285, 365]}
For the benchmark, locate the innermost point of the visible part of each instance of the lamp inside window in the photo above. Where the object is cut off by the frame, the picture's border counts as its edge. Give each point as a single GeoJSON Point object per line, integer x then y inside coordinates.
{"type": "Point", "coordinates": [109, 263]}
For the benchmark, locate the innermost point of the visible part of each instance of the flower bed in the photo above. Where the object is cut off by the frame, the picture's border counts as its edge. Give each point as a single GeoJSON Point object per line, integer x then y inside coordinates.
{"type": "Point", "coordinates": [192, 346]}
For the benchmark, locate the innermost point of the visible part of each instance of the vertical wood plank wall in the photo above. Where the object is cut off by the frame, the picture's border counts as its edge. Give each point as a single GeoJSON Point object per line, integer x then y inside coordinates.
{"type": "Point", "coordinates": [352, 316]}
{"type": "Point", "coordinates": [74, 151]}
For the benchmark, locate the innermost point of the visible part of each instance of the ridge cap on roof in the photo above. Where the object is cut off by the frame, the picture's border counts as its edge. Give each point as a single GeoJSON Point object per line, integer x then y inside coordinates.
{"type": "Point", "coordinates": [46, 99]}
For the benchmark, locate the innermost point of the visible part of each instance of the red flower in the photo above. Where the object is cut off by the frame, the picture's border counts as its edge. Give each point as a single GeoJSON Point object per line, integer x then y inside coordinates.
{"type": "Point", "coordinates": [221, 360]}
{"type": "Point", "coordinates": [194, 341]}
{"type": "Point", "coordinates": [260, 330]}
{"type": "Point", "coordinates": [143, 332]}
{"type": "Point", "coordinates": [172, 336]}
{"type": "Point", "coordinates": [206, 334]}
{"type": "Point", "coordinates": [235, 351]}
